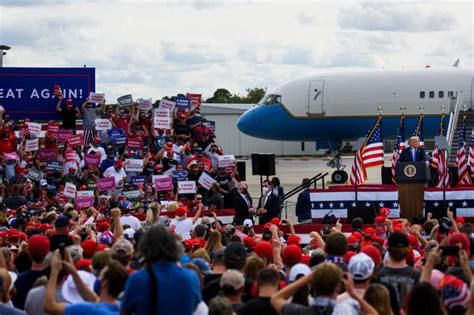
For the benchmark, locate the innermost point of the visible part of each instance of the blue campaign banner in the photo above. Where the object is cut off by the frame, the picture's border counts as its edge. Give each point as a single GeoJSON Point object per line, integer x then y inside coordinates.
{"type": "Point", "coordinates": [183, 103]}
{"type": "Point", "coordinates": [117, 136]}
{"type": "Point", "coordinates": [28, 92]}
{"type": "Point", "coordinates": [136, 180]}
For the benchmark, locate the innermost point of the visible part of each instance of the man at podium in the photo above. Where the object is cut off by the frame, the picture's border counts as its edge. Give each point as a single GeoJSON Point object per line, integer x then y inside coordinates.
{"type": "Point", "coordinates": [414, 153]}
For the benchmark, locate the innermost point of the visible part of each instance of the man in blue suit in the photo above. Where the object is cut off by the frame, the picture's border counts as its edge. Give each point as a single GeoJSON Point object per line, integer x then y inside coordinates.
{"type": "Point", "coordinates": [414, 153]}
{"type": "Point", "coordinates": [269, 204]}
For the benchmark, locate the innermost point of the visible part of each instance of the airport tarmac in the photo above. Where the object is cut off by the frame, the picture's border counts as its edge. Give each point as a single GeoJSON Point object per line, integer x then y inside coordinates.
{"type": "Point", "coordinates": [291, 172]}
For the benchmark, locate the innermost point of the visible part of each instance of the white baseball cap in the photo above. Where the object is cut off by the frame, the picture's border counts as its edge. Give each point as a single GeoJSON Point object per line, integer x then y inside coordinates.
{"type": "Point", "coordinates": [298, 269]}
{"type": "Point", "coordinates": [361, 266]}
{"type": "Point", "coordinates": [248, 223]}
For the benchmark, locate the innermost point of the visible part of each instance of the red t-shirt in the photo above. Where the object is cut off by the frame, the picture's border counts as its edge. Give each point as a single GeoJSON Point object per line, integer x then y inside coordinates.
{"type": "Point", "coordinates": [8, 141]}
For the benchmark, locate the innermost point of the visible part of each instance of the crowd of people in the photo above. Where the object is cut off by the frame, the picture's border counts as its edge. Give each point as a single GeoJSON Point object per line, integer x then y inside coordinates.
{"type": "Point", "coordinates": [74, 245]}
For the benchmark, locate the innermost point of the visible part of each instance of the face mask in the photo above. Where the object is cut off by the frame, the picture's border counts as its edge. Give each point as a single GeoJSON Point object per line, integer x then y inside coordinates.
{"type": "Point", "coordinates": [243, 191]}
{"type": "Point", "coordinates": [265, 190]}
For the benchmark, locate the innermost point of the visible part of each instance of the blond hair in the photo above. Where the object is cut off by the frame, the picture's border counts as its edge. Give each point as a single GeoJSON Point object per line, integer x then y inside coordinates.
{"type": "Point", "coordinates": [378, 296]}
{"type": "Point", "coordinates": [214, 242]}
{"type": "Point", "coordinates": [326, 278]}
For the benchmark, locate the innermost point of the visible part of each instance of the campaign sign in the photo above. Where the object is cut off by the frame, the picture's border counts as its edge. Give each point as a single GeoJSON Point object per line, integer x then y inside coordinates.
{"type": "Point", "coordinates": [84, 202]}
{"type": "Point", "coordinates": [138, 180]}
{"type": "Point", "coordinates": [34, 174]}
{"type": "Point", "coordinates": [34, 129]}
{"type": "Point", "coordinates": [54, 166]}
{"type": "Point", "coordinates": [180, 176]}
{"type": "Point", "coordinates": [194, 98]}
{"type": "Point", "coordinates": [97, 98]}
{"type": "Point", "coordinates": [187, 187]}
{"type": "Point", "coordinates": [85, 193]}
{"type": "Point", "coordinates": [62, 135]}
{"type": "Point", "coordinates": [162, 182]}
{"type": "Point", "coordinates": [167, 104]}
{"type": "Point", "coordinates": [107, 183]}
{"type": "Point", "coordinates": [29, 92]}
{"type": "Point", "coordinates": [145, 105]}
{"type": "Point", "coordinates": [162, 112]}
{"type": "Point", "coordinates": [103, 124]}
{"type": "Point", "coordinates": [74, 141]}
{"type": "Point", "coordinates": [70, 190]}
{"type": "Point", "coordinates": [125, 100]}
{"type": "Point", "coordinates": [117, 136]}
{"type": "Point", "coordinates": [31, 145]}
{"type": "Point", "coordinates": [206, 181]}
{"type": "Point", "coordinates": [135, 143]}
{"type": "Point", "coordinates": [182, 103]}
{"type": "Point", "coordinates": [224, 161]}
{"type": "Point", "coordinates": [53, 127]}
{"type": "Point", "coordinates": [133, 165]}
{"type": "Point", "coordinates": [46, 154]}
{"type": "Point", "coordinates": [131, 195]}
{"type": "Point", "coordinates": [92, 159]}
{"type": "Point", "coordinates": [162, 123]}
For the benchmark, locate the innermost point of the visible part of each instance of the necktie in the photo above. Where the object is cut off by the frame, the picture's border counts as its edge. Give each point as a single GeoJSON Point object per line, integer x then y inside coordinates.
{"type": "Point", "coordinates": [414, 155]}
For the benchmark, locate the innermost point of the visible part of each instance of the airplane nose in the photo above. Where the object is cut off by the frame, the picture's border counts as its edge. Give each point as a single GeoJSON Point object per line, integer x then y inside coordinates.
{"type": "Point", "coordinates": [246, 120]}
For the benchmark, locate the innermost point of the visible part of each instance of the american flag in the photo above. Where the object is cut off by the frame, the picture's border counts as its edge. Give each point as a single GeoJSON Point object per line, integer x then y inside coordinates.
{"type": "Point", "coordinates": [471, 154]}
{"type": "Point", "coordinates": [435, 160]}
{"type": "Point", "coordinates": [461, 159]}
{"type": "Point", "coordinates": [440, 161]}
{"type": "Point", "coordinates": [419, 131]}
{"type": "Point", "coordinates": [369, 155]}
{"type": "Point", "coordinates": [399, 146]}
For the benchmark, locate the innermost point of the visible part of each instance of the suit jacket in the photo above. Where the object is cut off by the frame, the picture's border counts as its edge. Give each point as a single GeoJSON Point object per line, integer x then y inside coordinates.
{"type": "Point", "coordinates": [303, 206]}
{"type": "Point", "coordinates": [407, 155]}
{"type": "Point", "coordinates": [272, 206]}
{"type": "Point", "coordinates": [241, 207]}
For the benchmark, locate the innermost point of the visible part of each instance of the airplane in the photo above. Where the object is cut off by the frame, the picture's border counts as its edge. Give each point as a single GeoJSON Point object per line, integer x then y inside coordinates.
{"type": "Point", "coordinates": [336, 106]}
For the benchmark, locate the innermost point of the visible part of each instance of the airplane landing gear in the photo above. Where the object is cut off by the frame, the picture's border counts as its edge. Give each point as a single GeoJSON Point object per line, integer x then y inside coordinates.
{"type": "Point", "coordinates": [339, 176]}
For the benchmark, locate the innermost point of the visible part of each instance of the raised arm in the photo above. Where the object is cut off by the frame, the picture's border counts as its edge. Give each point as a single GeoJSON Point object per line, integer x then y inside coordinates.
{"type": "Point", "coordinates": [58, 105]}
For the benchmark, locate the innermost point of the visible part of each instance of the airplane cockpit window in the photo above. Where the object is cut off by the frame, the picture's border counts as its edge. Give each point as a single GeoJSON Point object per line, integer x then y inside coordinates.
{"type": "Point", "coordinates": [270, 99]}
{"type": "Point", "coordinates": [422, 94]}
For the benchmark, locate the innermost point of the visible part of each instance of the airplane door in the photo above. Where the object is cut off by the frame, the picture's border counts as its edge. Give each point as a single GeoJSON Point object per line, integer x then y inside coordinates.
{"type": "Point", "coordinates": [315, 101]}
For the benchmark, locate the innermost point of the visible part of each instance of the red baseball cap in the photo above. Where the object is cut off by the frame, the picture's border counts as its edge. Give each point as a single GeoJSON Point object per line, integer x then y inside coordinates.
{"type": "Point", "coordinates": [181, 211]}
{"type": "Point", "coordinates": [275, 221]}
{"type": "Point", "coordinates": [119, 163]}
{"type": "Point", "coordinates": [293, 240]}
{"type": "Point", "coordinates": [460, 220]}
{"type": "Point", "coordinates": [349, 255]}
{"type": "Point", "coordinates": [369, 232]}
{"type": "Point", "coordinates": [38, 244]}
{"type": "Point", "coordinates": [89, 247]}
{"type": "Point", "coordinates": [380, 219]}
{"type": "Point", "coordinates": [250, 242]}
{"type": "Point", "coordinates": [264, 249]}
{"type": "Point", "coordinates": [374, 253]}
{"type": "Point", "coordinates": [291, 255]}
{"type": "Point", "coordinates": [352, 240]}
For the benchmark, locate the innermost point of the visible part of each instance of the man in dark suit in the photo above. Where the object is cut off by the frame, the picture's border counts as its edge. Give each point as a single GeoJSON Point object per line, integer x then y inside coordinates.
{"type": "Point", "coordinates": [414, 153]}
{"type": "Point", "coordinates": [303, 204]}
{"type": "Point", "coordinates": [269, 204]}
{"type": "Point", "coordinates": [243, 205]}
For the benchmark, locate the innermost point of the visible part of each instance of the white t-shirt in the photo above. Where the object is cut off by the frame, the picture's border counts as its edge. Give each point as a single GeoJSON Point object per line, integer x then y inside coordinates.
{"type": "Point", "coordinates": [101, 150]}
{"type": "Point", "coordinates": [111, 172]}
{"type": "Point", "coordinates": [132, 221]}
{"type": "Point", "coordinates": [183, 228]}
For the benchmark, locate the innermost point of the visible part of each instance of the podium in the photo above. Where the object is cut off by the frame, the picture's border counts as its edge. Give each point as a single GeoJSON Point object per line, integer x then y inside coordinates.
{"type": "Point", "coordinates": [412, 178]}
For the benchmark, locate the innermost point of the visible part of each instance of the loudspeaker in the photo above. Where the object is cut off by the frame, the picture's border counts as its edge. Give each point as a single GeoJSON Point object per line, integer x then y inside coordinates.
{"type": "Point", "coordinates": [387, 176]}
{"type": "Point", "coordinates": [263, 164]}
{"type": "Point", "coordinates": [366, 213]}
{"type": "Point", "coordinates": [241, 170]}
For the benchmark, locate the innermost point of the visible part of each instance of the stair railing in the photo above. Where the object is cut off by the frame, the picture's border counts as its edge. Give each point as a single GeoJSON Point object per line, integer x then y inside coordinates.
{"type": "Point", "coordinates": [453, 121]}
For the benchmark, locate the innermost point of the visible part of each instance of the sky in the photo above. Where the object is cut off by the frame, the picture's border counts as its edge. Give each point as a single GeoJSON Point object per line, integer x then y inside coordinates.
{"type": "Point", "coordinates": [158, 48]}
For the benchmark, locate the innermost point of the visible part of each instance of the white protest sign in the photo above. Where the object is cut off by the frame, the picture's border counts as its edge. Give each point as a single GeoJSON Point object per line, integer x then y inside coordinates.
{"type": "Point", "coordinates": [162, 123]}
{"type": "Point", "coordinates": [187, 187]}
{"type": "Point", "coordinates": [225, 161]}
{"type": "Point", "coordinates": [145, 105]}
{"type": "Point", "coordinates": [206, 181]}
{"type": "Point", "coordinates": [85, 193]}
{"type": "Point", "coordinates": [97, 98]}
{"type": "Point", "coordinates": [34, 129]}
{"type": "Point", "coordinates": [167, 104]}
{"type": "Point", "coordinates": [162, 112]}
{"type": "Point", "coordinates": [31, 145]}
{"type": "Point", "coordinates": [133, 165]}
{"type": "Point", "coordinates": [103, 124]}
{"type": "Point", "coordinates": [70, 190]}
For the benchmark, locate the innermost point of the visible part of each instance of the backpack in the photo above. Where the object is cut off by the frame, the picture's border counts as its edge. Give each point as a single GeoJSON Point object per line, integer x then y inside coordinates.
{"type": "Point", "coordinates": [329, 218]}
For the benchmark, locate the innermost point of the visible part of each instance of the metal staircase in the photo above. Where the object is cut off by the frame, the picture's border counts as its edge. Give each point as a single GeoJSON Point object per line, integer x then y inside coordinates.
{"type": "Point", "coordinates": [455, 125]}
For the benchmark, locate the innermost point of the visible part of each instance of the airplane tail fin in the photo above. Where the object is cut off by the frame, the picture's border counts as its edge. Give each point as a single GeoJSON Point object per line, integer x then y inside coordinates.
{"type": "Point", "coordinates": [456, 64]}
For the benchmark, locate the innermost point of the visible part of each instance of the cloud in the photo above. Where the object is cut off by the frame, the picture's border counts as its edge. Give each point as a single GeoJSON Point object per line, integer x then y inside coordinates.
{"type": "Point", "coordinates": [394, 18]}
{"type": "Point", "coordinates": [189, 54]}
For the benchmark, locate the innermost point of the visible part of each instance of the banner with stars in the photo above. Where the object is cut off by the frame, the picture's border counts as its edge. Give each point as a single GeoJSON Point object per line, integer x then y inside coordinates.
{"type": "Point", "coordinates": [373, 197]}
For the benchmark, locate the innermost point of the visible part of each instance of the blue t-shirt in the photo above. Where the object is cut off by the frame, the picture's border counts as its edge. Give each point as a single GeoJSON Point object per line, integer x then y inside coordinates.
{"type": "Point", "coordinates": [178, 291]}
{"type": "Point", "coordinates": [92, 309]}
